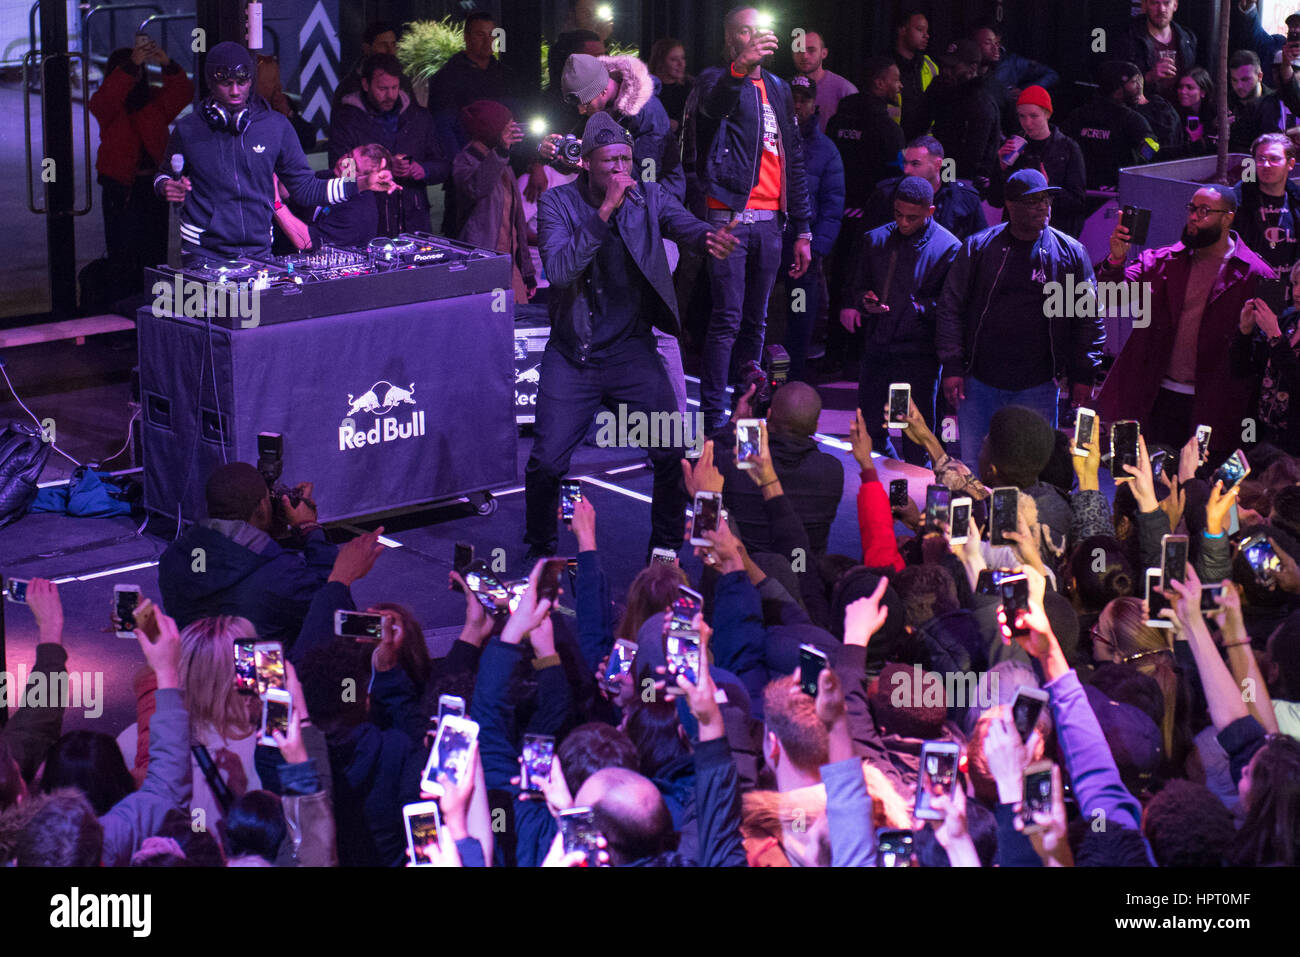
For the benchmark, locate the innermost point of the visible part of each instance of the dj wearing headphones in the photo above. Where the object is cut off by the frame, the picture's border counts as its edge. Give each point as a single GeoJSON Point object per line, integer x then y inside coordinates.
{"type": "Point", "coordinates": [233, 146]}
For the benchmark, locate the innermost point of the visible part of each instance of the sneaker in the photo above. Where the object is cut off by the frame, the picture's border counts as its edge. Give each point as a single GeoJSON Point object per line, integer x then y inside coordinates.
{"type": "Point", "coordinates": [534, 555]}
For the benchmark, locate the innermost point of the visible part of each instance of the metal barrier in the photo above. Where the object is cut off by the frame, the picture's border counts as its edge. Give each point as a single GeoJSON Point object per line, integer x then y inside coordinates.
{"type": "Point", "coordinates": [34, 57]}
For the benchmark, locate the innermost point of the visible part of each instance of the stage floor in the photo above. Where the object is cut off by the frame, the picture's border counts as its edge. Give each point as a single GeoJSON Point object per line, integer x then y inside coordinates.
{"type": "Point", "coordinates": [92, 555]}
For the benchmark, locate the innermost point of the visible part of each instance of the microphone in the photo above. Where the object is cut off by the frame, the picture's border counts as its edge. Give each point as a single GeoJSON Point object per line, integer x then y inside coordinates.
{"type": "Point", "coordinates": [178, 164]}
{"type": "Point", "coordinates": [634, 194]}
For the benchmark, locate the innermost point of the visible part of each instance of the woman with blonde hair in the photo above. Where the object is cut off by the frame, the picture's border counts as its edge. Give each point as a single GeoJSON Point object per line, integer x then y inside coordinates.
{"type": "Point", "coordinates": [222, 720]}
{"type": "Point", "coordinates": [1123, 637]}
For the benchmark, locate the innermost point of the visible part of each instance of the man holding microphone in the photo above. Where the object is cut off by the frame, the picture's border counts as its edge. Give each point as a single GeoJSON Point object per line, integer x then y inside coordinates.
{"type": "Point", "coordinates": [232, 147]}
{"type": "Point", "coordinates": [601, 243]}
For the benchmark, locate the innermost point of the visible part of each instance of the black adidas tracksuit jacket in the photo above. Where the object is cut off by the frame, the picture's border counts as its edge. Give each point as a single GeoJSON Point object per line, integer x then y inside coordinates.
{"type": "Point", "coordinates": [228, 211]}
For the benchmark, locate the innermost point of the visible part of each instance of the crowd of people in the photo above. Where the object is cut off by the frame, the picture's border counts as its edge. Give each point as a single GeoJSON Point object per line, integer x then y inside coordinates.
{"type": "Point", "coordinates": [1168, 732]}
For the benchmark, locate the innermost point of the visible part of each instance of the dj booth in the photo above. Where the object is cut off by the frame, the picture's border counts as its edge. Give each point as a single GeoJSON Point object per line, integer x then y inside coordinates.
{"type": "Point", "coordinates": [388, 371]}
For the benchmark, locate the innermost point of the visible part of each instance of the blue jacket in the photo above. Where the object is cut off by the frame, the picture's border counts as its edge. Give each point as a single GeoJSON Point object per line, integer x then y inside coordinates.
{"type": "Point", "coordinates": [245, 574]}
{"type": "Point", "coordinates": [957, 207]}
{"type": "Point", "coordinates": [228, 211]}
{"type": "Point", "coordinates": [825, 173]}
{"type": "Point", "coordinates": [1076, 342]}
{"type": "Point", "coordinates": [1016, 71]}
{"type": "Point", "coordinates": [914, 269]}
{"type": "Point", "coordinates": [729, 141]}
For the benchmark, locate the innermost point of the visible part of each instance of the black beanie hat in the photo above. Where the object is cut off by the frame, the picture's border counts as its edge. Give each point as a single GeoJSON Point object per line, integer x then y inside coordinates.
{"type": "Point", "coordinates": [227, 55]}
{"type": "Point", "coordinates": [234, 491]}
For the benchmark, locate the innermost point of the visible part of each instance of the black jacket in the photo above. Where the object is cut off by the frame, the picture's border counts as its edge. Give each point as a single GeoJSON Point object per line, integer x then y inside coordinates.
{"type": "Point", "coordinates": [870, 144]}
{"type": "Point", "coordinates": [728, 138]}
{"type": "Point", "coordinates": [260, 581]}
{"type": "Point", "coordinates": [914, 270]}
{"type": "Point", "coordinates": [968, 124]}
{"type": "Point", "coordinates": [1254, 232]}
{"type": "Point", "coordinates": [1062, 160]}
{"type": "Point", "coordinates": [1111, 136]}
{"type": "Point", "coordinates": [356, 123]}
{"type": "Point", "coordinates": [957, 207]}
{"type": "Point", "coordinates": [1136, 45]}
{"type": "Point", "coordinates": [570, 232]}
{"type": "Point", "coordinates": [813, 481]}
{"type": "Point", "coordinates": [1076, 342]}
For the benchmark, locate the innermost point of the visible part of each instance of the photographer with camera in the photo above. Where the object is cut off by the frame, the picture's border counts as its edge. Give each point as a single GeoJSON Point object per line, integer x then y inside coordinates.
{"type": "Point", "coordinates": [228, 564]}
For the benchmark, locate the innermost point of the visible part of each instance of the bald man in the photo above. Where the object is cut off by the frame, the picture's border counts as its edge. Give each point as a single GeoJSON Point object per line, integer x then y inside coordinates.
{"type": "Point", "coordinates": [813, 480]}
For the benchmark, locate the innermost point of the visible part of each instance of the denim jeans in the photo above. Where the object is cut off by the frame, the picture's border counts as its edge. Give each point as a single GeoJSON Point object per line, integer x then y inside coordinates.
{"type": "Point", "coordinates": [741, 284]}
{"type": "Point", "coordinates": [799, 324]}
{"type": "Point", "coordinates": [568, 395]}
{"type": "Point", "coordinates": [878, 371]}
{"type": "Point", "coordinates": [975, 412]}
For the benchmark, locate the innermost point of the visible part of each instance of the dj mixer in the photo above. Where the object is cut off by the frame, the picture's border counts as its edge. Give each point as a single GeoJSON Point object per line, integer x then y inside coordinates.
{"type": "Point", "coordinates": [411, 267]}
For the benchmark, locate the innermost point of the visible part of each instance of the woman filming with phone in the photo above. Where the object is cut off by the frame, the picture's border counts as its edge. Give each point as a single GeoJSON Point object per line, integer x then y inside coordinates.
{"type": "Point", "coordinates": [1269, 349]}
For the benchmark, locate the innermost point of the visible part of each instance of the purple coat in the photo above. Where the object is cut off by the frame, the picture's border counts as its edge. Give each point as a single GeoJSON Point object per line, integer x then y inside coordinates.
{"type": "Point", "coordinates": [1222, 398]}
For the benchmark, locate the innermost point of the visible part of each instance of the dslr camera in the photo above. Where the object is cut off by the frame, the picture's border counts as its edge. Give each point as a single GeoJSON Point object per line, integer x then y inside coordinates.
{"type": "Point", "coordinates": [768, 376]}
{"type": "Point", "coordinates": [270, 463]}
{"type": "Point", "coordinates": [569, 149]}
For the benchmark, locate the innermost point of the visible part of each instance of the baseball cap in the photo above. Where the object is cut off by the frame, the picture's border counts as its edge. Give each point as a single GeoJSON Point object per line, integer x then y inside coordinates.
{"type": "Point", "coordinates": [1027, 182]}
{"type": "Point", "coordinates": [804, 86]}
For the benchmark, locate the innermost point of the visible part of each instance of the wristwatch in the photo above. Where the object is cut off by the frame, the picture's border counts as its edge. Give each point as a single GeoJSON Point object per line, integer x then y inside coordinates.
{"type": "Point", "coordinates": [807, 236]}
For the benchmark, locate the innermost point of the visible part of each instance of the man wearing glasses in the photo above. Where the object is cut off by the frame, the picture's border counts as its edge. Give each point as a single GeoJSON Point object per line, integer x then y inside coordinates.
{"type": "Point", "coordinates": [997, 340]}
{"type": "Point", "coordinates": [1173, 373]}
{"type": "Point", "coordinates": [234, 145]}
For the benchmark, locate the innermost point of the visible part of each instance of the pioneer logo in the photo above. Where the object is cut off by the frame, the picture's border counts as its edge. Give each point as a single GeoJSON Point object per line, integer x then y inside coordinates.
{"type": "Point", "coordinates": [379, 400]}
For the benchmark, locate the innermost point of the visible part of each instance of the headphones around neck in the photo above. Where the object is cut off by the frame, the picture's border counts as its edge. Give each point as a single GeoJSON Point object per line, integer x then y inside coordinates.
{"type": "Point", "coordinates": [219, 117]}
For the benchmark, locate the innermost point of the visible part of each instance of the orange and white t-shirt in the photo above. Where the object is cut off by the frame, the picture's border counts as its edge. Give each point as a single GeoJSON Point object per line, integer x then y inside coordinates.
{"type": "Point", "coordinates": [766, 194]}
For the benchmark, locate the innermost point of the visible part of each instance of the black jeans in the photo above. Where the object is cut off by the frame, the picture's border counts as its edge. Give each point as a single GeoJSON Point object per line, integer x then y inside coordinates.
{"type": "Point", "coordinates": [568, 395]}
{"type": "Point", "coordinates": [878, 371]}
{"type": "Point", "coordinates": [135, 229]}
{"type": "Point", "coordinates": [741, 285]}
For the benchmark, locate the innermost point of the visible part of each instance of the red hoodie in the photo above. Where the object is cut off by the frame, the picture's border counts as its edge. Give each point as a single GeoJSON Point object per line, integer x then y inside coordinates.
{"type": "Point", "coordinates": [876, 525]}
{"type": "Point", "coordinates": [124, 136]}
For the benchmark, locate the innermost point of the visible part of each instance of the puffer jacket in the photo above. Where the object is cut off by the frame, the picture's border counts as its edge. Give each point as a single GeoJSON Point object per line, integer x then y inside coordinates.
{"type": "Point", "coordinates": [640, 112]}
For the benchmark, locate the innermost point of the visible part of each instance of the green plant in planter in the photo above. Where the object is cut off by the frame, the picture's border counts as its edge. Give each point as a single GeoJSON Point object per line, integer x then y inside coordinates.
{"type": "Point", "coordinates": [611, 49]}
{"type": "Point", "coordinates": [427, 45]}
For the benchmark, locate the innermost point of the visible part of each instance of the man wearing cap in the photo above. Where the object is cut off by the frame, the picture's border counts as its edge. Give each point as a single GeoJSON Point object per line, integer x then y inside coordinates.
{"type": "Point", "coordinates": [228, 564]}
{"type": "Point", "coordinates": [601, 243]}
{"type": "Point", "coordinates": [998, 340]}
{"type": "Point", "coordinates": [1110, 134]}
{"type": "Point", "coordinates": [750, 165]}
{"type": "Point", "coordinates": [1173, 373]}
{"type": "Point", "coordinates": [234, 145]}
{"type": "Point", "coordinates": [825, 172]}
{"type": "Point", "coordinates": [623, 87]}
{"type": "Point", "coordinates": [898, 275]}
{"type": "Point", "coordinates": [1045, 148]}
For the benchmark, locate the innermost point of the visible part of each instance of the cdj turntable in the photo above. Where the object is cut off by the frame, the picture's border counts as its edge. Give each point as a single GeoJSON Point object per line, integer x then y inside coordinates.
{"type": "Point", "coordinates": [411, 267]}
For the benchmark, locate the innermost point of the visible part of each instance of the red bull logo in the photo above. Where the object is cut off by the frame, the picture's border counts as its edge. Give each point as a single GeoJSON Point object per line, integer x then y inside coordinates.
{"type": "Point", "coordinates": [379, 400]}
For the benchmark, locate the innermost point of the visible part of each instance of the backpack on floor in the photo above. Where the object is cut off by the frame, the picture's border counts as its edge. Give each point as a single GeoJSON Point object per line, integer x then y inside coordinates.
{"type": "Point", "coordinates": [22, 459]}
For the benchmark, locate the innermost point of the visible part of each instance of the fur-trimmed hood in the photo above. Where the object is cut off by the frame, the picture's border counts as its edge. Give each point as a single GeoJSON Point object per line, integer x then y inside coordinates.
{"type": "Point", "coordinates": [635, 84]}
